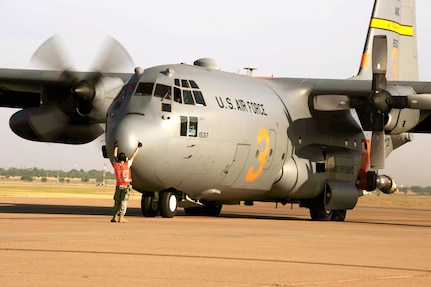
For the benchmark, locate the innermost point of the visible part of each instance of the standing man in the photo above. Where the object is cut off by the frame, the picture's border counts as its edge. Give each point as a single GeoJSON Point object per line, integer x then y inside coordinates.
{"type": "Point", "coordinates": [123, 177]}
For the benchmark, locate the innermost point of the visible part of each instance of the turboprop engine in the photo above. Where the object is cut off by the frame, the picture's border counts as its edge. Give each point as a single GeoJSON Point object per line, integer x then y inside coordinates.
{"type": "Point", "coordinates": [72, 104]}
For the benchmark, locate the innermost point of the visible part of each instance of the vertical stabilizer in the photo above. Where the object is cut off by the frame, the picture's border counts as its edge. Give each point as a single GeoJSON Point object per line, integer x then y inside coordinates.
{"type": "Point", "coordinates": [395, 19]}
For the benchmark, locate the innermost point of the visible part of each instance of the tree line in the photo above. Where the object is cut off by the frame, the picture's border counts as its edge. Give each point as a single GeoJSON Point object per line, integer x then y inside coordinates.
{"type": "Point", "coordinates": [30, 174]}
{"type": "Point", "coordinates": [419, 190]}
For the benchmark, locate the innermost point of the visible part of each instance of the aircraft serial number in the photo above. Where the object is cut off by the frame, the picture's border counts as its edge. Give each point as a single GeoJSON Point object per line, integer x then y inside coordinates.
{"type": "Point", "coordinates": [203, 135]}
{"type": "Point", "coordinates": [343, 169]}
{"type": "Point", "coordinates": [241, 105]}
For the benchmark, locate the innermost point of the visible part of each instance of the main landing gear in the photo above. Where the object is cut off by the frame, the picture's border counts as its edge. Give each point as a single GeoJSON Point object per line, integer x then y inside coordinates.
{"type": "Point", "coordinates": [164, 202]}
{"type": "Point", "coordinates": [209, 208]}
{"type": "Point", "coordinates": [319, 212]}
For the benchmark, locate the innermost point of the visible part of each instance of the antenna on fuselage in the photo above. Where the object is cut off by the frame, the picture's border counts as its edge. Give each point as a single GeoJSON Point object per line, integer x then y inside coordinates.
{"type": "Point", "coordinates": [250, 71]}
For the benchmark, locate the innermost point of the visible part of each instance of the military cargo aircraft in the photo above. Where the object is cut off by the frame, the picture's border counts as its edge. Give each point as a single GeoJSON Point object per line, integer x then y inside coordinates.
{"type": "Point", "coordinates": [212, 137]}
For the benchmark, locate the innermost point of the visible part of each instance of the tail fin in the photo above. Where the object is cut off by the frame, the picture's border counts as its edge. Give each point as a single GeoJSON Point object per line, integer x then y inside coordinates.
{"type": "Point", "coordinates": [396, 19]}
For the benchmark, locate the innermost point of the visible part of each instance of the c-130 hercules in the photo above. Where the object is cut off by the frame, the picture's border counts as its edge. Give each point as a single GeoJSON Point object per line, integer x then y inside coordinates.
{"type": "Point", "coordinates": [212, 137]}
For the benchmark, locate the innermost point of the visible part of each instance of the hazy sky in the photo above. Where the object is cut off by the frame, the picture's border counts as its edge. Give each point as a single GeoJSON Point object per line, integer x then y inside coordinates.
{"type": "Point", "coordinates": [313, 38]}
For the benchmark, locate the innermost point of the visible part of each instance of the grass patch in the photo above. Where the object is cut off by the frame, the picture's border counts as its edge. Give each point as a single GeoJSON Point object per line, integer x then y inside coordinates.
{"type": "Point", "coordinates": [395, 200]}
{"type": "Point", "coordinates": [28, 190]}
{"type": "Point", "coordinates": [93, 191]}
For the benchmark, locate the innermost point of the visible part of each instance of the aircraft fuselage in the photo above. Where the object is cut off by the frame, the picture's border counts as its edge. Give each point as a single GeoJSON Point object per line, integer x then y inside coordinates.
{"type": "Point", "coordinates": [225, 137]}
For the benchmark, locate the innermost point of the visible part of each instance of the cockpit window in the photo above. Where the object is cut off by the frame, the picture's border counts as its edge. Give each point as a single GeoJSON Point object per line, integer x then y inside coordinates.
{"type": "Point", "coordinates": [193, 84]}
{"type": "Point", "coordinates": [177, 95]}
{"type": "Point", "coordinates": [199, 98]}
{"type": "Point", "coordinates": [184, 83]}
{"type": "Point", "coordinates": [188, 98]}
{"type": "Point", "coordinates": [163, 91]}
{"type": "Point", "coordinates": [188, 92]}
{"type": "Point", "coordinates": [144, 89]}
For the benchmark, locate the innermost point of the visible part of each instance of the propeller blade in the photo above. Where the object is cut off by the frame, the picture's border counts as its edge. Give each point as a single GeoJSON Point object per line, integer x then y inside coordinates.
{"type": "Point", "coordinates": [378, 150]}
{"type": "Point", "coordinates": [380, 54]}
{"type": "Point", "coordinates": [51, 55]}
{"type": "Point", "coordinates": [113, 57]}
{"type": "Point", "coordinates": [419, 101]}
{"type": "Point", "coordinates": [380, 102]}
{"type": "Point", "coordinates": [82, 89]}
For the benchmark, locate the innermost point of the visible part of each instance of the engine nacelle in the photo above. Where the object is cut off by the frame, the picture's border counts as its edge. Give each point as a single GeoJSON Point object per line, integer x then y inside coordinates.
{"type": "Point", "coordinates": [52, 125]}
{"type": "Point", "coordinates": [401, 120]}
{"type": "Point", "coordinates": [65, 116]}
{"type": "Point", "coordinates": [106, 89]}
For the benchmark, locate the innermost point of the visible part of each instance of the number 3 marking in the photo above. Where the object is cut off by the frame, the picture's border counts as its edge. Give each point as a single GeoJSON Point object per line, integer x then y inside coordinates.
{"type": "Point", "coordinates": [394, 58]}
{"type": "Point", "coordinates": [252, 175]}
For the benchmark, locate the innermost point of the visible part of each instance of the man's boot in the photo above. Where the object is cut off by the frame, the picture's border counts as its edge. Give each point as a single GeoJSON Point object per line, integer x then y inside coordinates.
{"type": "Point", "coordinates": [115, 218]}
{"type": "Point", "coordinates": [122, 219]}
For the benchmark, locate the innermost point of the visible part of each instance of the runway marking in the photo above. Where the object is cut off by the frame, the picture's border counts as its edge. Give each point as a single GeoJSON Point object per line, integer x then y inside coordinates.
{"type": "Point", "coordinates": [220, 258]}
{"type": "Point", "coordinates": [353, 280]}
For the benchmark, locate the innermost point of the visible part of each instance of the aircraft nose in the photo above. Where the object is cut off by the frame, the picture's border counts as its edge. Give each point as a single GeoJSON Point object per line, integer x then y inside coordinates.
{"type": "Point", "coordinates": [134, 128]}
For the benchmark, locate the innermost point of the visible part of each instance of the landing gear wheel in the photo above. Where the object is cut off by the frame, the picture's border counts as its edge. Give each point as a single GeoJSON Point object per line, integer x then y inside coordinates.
{"type": "Point", "coordinates": [150, 204]}
{"type": "Point", "coordinates": [212, 208]}
{"type": "Point", "coordinates": [318, 210]}
{"type": "Point", "coordinates": [193, 210]}
{"type": "Point", "coordinates": [168, 204]}
{"type": "Point", "coordinates": [338, 215]}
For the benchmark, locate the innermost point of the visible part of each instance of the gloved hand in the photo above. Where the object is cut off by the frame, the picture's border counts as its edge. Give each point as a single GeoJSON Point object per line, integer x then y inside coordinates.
{"type": "Point", "coordinates": [139, 144]}
{"type": "Point", "coordinates": [116, 143]}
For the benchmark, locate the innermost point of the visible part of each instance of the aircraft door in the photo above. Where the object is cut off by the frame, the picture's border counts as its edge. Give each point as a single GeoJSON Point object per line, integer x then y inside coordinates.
{"type": "Point", "coordinates": [234, 170]}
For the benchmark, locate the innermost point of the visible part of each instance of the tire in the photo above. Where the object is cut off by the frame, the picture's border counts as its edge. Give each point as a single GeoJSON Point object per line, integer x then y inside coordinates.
{"type": "Point", "coordinates": [318, 212]}
{"type": "Point", "coordinates": [212, 208]}
{"type": "Point", "coordinates": [193, 210]}
{"type": "Point", "coordinates": [168, 204]}
{"type": "Point", "coordinates": [149, 204]}
{"type": "Point", "coordinates": [338, 215]}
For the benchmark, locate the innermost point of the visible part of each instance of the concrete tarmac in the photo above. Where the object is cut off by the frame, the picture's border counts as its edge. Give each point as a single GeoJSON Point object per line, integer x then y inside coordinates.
{"type": "Point", "coordinates": [71, 242]}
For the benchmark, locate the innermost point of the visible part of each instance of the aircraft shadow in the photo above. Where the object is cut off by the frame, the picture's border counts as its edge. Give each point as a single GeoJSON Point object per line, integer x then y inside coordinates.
{"type": "Point", "coordinates": [26, 208]}
{"type": "Point", "coordinates": [261, 216]}
{"type": "Point", "coordinates": [61, 209]}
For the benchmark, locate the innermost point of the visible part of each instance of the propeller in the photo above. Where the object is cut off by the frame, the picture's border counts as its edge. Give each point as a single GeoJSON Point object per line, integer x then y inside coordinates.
{"type": "Point", "coordinates": [379, 102]}
{"type": "Point", "coordinates": [71, 100]}
{"type": "Point", "coordinates": [374, 107]}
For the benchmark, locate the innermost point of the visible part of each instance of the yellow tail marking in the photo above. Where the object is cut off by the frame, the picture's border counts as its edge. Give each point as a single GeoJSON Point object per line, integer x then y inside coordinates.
{"type": "Point", "coordinates": [392, 26]}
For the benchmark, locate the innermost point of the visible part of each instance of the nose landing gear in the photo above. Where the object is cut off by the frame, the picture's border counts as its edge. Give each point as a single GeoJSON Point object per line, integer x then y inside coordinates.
{"type": "Point", "coordinates": [164, 202]}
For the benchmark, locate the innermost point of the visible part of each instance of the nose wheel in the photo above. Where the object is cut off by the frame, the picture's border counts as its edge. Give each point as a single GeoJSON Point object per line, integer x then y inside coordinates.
{"type": "Point", "coordinates": [168, 204]}
{"type": "Point", "coordinates": [150, 204]}
{"type": "Point", "coordinates": [163, 202]}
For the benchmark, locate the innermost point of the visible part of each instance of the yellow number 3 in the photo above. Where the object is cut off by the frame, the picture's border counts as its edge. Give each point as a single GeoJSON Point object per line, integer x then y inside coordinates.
{"type": "Point", "coordinates": [262, 155]}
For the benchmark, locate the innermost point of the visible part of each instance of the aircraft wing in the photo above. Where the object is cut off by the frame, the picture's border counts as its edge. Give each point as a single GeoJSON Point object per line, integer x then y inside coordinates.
{"type": "Point", "coordinates": [23, 88]}
{"type": "Point", "coordinates": [336, 95]}
{"type": "Point", "coordinates": [58, 106]}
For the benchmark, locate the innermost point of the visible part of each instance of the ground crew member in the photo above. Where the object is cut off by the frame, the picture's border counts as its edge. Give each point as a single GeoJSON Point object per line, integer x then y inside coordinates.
{"type": "Point", "coordinates": [123, 177]}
